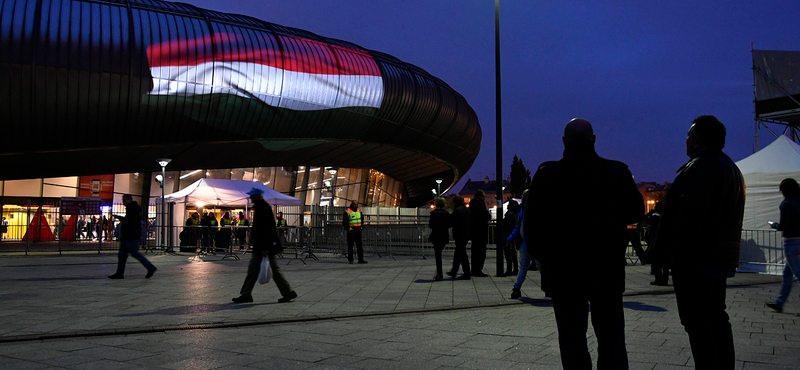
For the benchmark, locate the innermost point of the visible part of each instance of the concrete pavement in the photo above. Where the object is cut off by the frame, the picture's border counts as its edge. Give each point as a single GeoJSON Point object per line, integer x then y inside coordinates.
{"type": "Point", "coordinates": [62, 312]}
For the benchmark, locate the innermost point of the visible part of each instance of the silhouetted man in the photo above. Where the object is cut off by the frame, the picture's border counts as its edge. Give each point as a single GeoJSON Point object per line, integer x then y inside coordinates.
{"type": "Point", "coordinates": [480, 231]}
{"type": "Point", "coordinates": [265, 240]}
{"type": "Point", "coordinates": [700, 235]}
{"type": "Point", "coordinates": [130, 235]}
{"type": "Point", "coordinates": [580, 246]}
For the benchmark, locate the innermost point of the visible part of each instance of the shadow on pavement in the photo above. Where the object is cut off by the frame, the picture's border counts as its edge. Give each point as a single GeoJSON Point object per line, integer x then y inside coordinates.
{"type": "Point", "coordinates": [642, 307]}
{"type": "Point", "coordinates": [198, 308]}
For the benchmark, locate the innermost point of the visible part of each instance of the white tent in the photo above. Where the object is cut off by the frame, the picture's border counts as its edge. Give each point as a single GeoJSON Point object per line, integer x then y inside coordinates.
{"type": "Point", "coordinates": [763, 172]}
{"type": "Point", "coordinates": [228, 193]}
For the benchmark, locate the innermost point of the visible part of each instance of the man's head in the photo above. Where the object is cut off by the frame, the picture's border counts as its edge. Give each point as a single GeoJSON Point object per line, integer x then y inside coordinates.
{"type": "Point", "coordinates": [280, 214]}
{"type": "Point", "coordinates": [256, 194]}
{"type": "Point", "coordinates": [458, 201]}
{"type": "Point", "coordinates": [578, 130]}
{"type": "Point", "coordinates": [706, 134]}
{"type": "Point", "coordinates": [480, 194]}
{"type": "Point", "coordinates": [353, 205]}
{"type": "Point", "coordinates": [439, 203]}
{"type": "Point", "coordinates": [127, 198]}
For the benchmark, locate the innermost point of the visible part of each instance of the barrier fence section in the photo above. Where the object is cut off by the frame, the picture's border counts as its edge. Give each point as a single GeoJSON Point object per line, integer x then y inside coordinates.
{"type": "Point", "coordinates": [762, 252]}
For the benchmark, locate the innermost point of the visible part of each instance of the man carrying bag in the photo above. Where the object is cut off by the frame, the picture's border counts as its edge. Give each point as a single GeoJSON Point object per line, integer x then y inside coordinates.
{"type": "Point", "coordinates": [266, 243]}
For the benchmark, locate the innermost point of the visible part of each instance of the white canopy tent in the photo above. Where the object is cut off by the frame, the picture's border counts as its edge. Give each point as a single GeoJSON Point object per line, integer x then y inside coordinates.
{"type": "Point", "coordinates": [215, 193]}
{"type": "Point", "coordinates": [763, 172]}
{"type": "Point", "coordinates": [228, 193]}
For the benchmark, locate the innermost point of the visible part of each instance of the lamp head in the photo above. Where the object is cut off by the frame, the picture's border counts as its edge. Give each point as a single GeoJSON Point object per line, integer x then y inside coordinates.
{"type": "Point", "coordinates": [163, 162]}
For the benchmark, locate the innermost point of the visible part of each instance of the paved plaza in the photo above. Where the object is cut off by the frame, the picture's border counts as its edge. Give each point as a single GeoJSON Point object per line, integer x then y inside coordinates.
{"type": "Point", "coordinates": [62, 312]}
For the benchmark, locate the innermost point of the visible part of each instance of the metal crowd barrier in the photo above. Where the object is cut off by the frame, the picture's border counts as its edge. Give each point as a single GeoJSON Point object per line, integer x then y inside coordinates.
{"type": "Point", "coordinates": [762, 251]}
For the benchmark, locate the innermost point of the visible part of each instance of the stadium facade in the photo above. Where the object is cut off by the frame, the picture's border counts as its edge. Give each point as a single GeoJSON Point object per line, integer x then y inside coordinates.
{"type": "Point", "coordinates": [94, 92]}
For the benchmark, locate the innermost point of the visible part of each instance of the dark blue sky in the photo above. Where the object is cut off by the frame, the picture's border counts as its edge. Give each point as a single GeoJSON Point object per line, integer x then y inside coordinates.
{"type": "Point", "coordinates": [640, 71]}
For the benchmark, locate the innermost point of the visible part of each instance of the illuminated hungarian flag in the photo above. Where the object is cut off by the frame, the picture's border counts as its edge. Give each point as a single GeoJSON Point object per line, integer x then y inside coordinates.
{"type": "Point", "coordinates": [282, 71]}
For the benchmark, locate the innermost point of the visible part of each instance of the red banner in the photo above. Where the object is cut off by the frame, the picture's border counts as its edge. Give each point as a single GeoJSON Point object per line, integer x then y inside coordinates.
{"type": "Point", "coordinates": [97, 186]}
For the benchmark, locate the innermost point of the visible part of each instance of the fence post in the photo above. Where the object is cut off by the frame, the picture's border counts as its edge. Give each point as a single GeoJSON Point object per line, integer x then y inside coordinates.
{"type": "Point", "coordinates": [28, 229]}
{"type": "Point", "coordinates": [58, 229]}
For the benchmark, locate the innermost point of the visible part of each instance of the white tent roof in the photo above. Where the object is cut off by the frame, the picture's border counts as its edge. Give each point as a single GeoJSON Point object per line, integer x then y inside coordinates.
{"type": "Point", "coordinates": [783, 155]}
{"type": "Point", "coordinates": [228, 193]}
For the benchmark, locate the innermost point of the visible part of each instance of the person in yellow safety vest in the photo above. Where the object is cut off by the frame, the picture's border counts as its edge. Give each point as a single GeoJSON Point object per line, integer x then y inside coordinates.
{"type": "Point", "coordinates": [280, 221]}
{"type": "Point", "coordinates": [352, 224]}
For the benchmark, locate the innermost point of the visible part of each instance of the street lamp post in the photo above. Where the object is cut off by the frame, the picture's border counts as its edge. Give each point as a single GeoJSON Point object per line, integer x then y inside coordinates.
{"type": "Point", "coordinates": [439, 186]}
{"type": "Point", "coordinates": [163, 162]}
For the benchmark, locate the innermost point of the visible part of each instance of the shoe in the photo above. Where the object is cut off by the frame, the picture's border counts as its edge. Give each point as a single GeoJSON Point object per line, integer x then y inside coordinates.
{"type": "Point", "coordinates": [452, 273]}
{"type": "Point", "coordinates": [515, 293]}
{"type": "Point", "coordinates": [438, 277]}
{"type": "Point", "coordinates": [288, 297]}
{"type": "Point", "coordinates": [362, 261]}
{"type": "Point", "coordinates": [479, 274]}
{"type": "Point", "coordinates": [659, 283]}
{"type": "Point", "coordinates": [243, 299]}
{"type": "Point", "coordinates": [350, 262]}
{"type": "Point", "coordinates": [116, 276]}
{"type": "Point", "coordinates": [775, 307]}
{"type": "Point", "coordinates": [464, 277]}
{"type": "Point", "coordinates": [150, 273]}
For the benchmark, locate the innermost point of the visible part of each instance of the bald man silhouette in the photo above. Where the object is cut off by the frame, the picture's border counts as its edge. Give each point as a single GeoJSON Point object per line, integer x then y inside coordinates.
{"type": "Point", "coordinates": [576, 226]}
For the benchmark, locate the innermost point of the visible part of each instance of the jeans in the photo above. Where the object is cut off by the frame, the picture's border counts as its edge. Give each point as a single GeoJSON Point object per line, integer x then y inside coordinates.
{"type": "Point", "coordinates": [791, 248]}
{"type": "Point", "coordinates": [701, 307]}
{"type": "Point", "coordinates": [131, 247]}
{"type": "Point", "coordinates": [524, 265]}
{"type": "Point", "coordinates": [608, 321]}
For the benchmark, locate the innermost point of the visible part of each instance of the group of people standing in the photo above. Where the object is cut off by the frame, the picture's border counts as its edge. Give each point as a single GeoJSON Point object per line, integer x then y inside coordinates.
{"type": "Point", "coordinates": [468, 224]}
{"type": "Point", "coordinates": [579, 253]}
{"type": "Point", "coordinates": [213, 233]}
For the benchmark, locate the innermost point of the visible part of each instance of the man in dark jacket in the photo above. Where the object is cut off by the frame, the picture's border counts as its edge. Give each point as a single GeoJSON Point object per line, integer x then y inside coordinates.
{"type": "Point", "coordinates": [265, 241]}
{"type": "Point", "coordinates": [700, 235]}
{"type": "Point", "coordinates": [462, 222]}
{"type": "Point", "coordinates": [581, 250]}
{"type": "Point", "coordinates": [130, 235]}
{"type": "Point", "coordinates": [439, 223]}
{"type": "Point", "coordinates": [509, 251]}
{"type": "Point", "coordinates": [480, 231]}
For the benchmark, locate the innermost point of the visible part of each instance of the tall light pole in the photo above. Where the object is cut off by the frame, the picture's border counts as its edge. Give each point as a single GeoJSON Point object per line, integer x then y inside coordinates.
{"type": "Point", "coordinates": [163, 162]}
{"type": "Point", "coordinates": [439, 186]}
{"type": "Point", "coordinates": [499, 237]}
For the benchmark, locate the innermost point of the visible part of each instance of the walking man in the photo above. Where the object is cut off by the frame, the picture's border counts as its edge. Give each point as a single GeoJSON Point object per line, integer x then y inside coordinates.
{"type": "Point", "coordinates": [581, 250]}
{"type": "Point", "coordinates": [130, 235]}
{"type": "Point", "coordinates": [265, 241]}
{"type": "Point", "coordinates": [700, 234]}
{"type": "Point", "coordinates": [352, 224]}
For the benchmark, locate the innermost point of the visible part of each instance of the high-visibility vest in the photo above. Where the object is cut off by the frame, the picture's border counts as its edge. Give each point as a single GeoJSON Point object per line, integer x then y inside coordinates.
{"type": "Point", "coordinates": [354, 217]}
{"type": "Point", "coordinates": [281, 222]}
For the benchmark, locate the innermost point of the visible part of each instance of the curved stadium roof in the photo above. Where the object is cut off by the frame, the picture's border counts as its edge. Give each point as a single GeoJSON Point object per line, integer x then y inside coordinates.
{"type": "Point", "coordinates": [108, 86]}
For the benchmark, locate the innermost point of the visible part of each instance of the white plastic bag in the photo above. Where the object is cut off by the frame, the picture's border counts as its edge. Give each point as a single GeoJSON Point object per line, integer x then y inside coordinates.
{"type": "Point", "coordinates": [266, 273]}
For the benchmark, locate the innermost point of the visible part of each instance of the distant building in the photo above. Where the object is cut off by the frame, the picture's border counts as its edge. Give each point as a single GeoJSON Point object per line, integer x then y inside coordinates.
{"type": "Point", "coordinates": [489, 187]}
{"type": "Point", "coordinates": [652, 193]}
